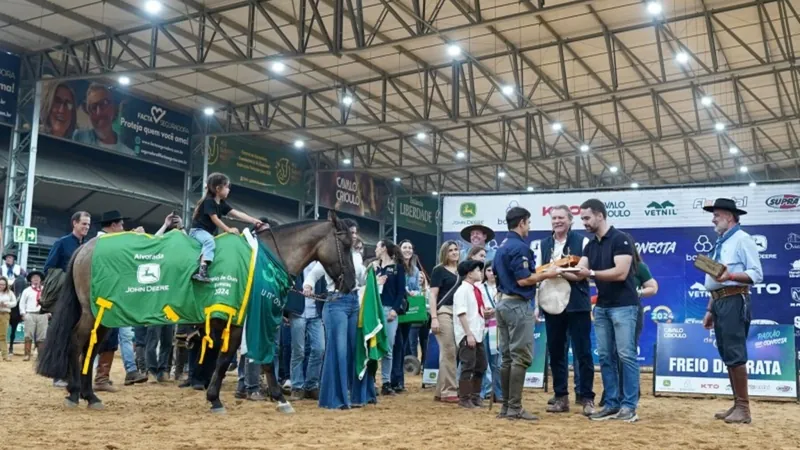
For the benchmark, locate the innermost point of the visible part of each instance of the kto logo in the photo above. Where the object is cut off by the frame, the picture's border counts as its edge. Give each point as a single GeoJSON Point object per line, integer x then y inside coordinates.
{"type": "Point", "coordinates": [575, 210]}
{"type": "Point", "coordinates": [771, 288]}
{"type": "Point", "coordinates": [709, 386]}
{"type": "Point", "coordinates": [783, 202]}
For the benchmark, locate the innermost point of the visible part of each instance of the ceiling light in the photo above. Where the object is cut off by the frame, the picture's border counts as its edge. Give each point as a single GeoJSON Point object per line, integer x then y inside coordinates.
{"type": "Point", "coordinates": [682, 57]}
{"type": "Point", "coordinates": [421, 136]}
{"type": "Point", "coordinates": [654, 8]}
{"type": "Point", "coordinates": [453, 50]}
{"type": "Point", "coordinates": [152, 7]}
{"type": "Point", "coordinates": [209, 111]}
{"type": "Point", "coordinates": [278, 67]}
{"type": "Point", "coordinates": [460, 155]}
{"type": "Point", "coordinates": [752, 184]}
{"type": "Point", "coordinates": [719, 126]}
{"type": "Point", "coordinates": [557, 126]}
{"type": "Point", "coordinates": [530, 188]}
{"type": "Point", "coordinates": [346, 161]}
{"type": "Point", "coordinates": [584, 148]}
{"type": "Point", "coordinates": [508, 90]}
{"type": "Point", "coordinates": [733, 150]}
{"type": "Point", "coordinates": [397, 179]}
{"type": "Point", "coordinates": [123, 80]}
{"type": "Point", "coordinates": [613, 169]}
{"type": "Point", "coordinates": [706, 100]}
{"type": "Point", "coordinates": [347, 100]}
{"type": "Point", "coordinates": [501, 174]}
{"type": "Point", "coordinates": [299, 144]}
{"type": "Point", "coordinates": [434, 193]}
{"type": "Point", "coordinates": [743, 169]}
{"type": "Point", "coordinates": [635, 185]}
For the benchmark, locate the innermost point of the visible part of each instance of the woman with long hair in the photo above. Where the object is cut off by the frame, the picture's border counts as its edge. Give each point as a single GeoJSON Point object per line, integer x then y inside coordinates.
{"type": "Point", "coordinates": [443, 280]}
{"type": "Point", "coordinates": [59, 111]}
{"type": "Point", "coordinates": [7, 302]}
{"type": "Point", "coordinates": [392, 282]}
{"type": "Point", "coordinates": [492, 376]}
{"type": "Point", "coordinates": [413, 288]}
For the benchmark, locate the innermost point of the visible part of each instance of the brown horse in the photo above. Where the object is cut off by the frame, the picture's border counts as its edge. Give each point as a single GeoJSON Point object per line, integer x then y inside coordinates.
{"type": "Point", "coordinates": [297, 245]}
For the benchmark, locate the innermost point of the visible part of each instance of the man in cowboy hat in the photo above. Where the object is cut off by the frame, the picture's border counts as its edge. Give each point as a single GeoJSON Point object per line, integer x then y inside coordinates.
{"type": "Point", "coordinates": [10, 269]}
{"type": "Point", "coordinates": [728, 310]}
{"type": "Point", "coordinates": [477, 235]}
{"type": "Point", "coordinates": [30, 308]}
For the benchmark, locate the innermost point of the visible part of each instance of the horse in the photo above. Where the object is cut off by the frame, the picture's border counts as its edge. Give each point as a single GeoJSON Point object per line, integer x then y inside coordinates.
{"type": "Point", "coordinates": [296, 245]}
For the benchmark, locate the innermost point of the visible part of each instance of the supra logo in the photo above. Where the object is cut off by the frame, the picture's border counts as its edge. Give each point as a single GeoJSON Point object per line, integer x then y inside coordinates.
{"type": "Point", "coordinates": [783, 202]}
{"type": "Point", "coordinates": [784, 388]}
{"type": "Point", "coordinates": [468, 210]}
{"type": "Point", "coordinates": [148, 273]}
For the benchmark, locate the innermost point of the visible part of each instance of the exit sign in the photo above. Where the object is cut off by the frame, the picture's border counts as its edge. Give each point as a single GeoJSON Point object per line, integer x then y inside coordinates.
{"type": "Point", "coordinates": [25, 235]}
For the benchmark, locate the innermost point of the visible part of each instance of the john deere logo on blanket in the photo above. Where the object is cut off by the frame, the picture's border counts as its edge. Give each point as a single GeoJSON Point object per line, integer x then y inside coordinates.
{"type": "Point", "coordinates": [148, 273]}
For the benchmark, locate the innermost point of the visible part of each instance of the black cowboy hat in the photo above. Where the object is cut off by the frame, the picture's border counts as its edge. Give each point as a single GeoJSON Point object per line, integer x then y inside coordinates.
{"type": "Point", "coordinates": [112, 216]}
{"type": "Point", "coordinates": [726, 204]}
{"type": "Point", "coordinates": [34, 272]}
{"type": "Point", "coordinates": [465, 233]}
{"type": "Point", "coordinates": [6, 255]}
{"type": "Point", "coordinates": [467, 266]}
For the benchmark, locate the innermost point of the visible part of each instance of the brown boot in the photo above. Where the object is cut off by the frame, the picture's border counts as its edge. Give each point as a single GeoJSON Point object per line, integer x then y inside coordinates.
{"type": "Point", "coordinates": [721, 415]}
{"type": "Point", "coordinates": [476, 383]}
{"type": "Point", "coordinates": [741, 409]}
{"type": "Point", "coordinates": [465, 394]}
{"type": "Point", "coordinates": [102, 381]}
{"type": "Point", "coordinates": [28, 345]}
{"type": "Point", "coordinates": [560, 405]}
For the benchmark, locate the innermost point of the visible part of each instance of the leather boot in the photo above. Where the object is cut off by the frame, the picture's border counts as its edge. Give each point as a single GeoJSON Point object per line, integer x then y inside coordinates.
{"type": "Point", "coordinates": [505, 376]}
{"type": "Point", "coordinates": [181, 357]}
{"type": "Point", "coordinates": [465, 394]}
{"type": "Point", "coordinates": [39, 349]}
{"type": "Point", "coordinates": [28, 344]}
{"type": "Point", "coordinates": [141, 363]}
{"type": "Point", "coordinates": [103, 377]}
{"type": "Point", "coordinates": [721, 415]}
{"type": "Point", "coordinates": [741, 409]}
{"type": "Point", "coordinates": [515, 385]}
{"type": "Point", "coordinates": [477, 384]}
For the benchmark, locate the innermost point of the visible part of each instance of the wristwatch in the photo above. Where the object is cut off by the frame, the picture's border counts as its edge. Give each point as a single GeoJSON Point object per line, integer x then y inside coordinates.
{"type": "Point", "coordinates": [591, 274]}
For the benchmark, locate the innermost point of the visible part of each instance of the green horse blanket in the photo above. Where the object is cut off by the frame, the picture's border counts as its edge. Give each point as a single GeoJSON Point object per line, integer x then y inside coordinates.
{"type": "Point", "coordinates": [140, 279]}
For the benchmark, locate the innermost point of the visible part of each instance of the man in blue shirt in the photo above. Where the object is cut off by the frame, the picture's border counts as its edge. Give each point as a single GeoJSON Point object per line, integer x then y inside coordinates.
{"type": "Point", "coordinates": [728, 310]}
{"type": "Point", "coordinates": [58, 259]}
{"type": "Point", "coordinates": [516, 286]}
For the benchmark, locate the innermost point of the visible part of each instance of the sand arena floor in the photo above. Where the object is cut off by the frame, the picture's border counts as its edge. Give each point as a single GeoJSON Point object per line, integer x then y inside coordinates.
{"type": "Point", "coordinates": [164, 417]}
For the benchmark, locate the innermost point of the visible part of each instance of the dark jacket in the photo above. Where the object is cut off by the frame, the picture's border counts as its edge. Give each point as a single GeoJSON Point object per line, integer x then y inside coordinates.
{"type": "Point", "coordinates": [296, 303]}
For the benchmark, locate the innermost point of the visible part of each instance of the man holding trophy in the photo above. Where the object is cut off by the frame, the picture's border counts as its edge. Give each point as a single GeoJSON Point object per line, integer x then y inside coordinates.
{"type": "Point", "coordinates": [731, 268]}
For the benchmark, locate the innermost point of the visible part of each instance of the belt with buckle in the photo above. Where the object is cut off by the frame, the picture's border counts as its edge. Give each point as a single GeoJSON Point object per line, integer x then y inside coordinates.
{"type": "Point", "coordinates": [729, 291]}
{"type": "Point", "coordinates": [504, 296]}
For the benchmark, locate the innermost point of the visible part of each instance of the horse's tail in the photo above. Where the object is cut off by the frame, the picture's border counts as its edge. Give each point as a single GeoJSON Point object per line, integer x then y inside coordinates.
{"type": "Point", "coordinates": [55, 357]}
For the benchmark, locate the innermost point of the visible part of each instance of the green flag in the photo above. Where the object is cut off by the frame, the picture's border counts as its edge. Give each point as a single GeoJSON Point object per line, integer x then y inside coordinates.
{"type": "Point", "coordinates": [372, 343]}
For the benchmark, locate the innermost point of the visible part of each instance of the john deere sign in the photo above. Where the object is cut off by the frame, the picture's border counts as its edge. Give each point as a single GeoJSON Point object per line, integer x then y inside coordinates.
{"type": "Point", "coordinates": [418, 214]}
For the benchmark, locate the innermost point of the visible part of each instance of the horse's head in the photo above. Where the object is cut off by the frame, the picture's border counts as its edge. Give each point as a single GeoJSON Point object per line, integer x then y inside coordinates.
{"type": "Point", "coordinates": [334, 253]}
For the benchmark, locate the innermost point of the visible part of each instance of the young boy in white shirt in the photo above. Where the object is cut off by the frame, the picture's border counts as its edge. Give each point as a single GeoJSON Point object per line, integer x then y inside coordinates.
{"type": "Point", "coordinates": [470, 328]}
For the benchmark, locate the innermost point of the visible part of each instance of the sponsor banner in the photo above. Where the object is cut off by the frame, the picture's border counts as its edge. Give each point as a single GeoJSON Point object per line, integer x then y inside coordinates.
{"type": "Point", "coordinates": [534, 378]}
{"type": "Point", "coordinates": [9, 87]}
{"type": "Point", "coordinates": [657, 208]}
{"type": "Point", "coordinates": [260, 167]}
{"type": "Point", "coordinates": [688, 361]}
{"type": "Point", "coordinates": [111, 119]}
{"type": "Point", "coordinates": [418, 214]}
{"type": "Point", "coordinates": [354, 193]}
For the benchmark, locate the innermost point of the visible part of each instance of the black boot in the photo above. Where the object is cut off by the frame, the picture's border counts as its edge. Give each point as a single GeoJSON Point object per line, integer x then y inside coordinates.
{"type": "Point", "coordinates": [202, 273]}
{"type": "Point", "coordinates": [181, 357]}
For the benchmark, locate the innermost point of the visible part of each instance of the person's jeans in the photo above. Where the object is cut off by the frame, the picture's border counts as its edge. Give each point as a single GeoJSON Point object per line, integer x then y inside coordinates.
{"type": "Point", "coordinates": [399, 355]}
{"type": "Point", "coordinates": [283, 352]}
{"type": "Point", "coordinates": [386, 362]}
{"type": "Point", "coordinates": [126, 349]}
{"type": "Point", "coordinates": [340, 315]}
{"type": "Point", "coordinates": [206, 240]}
{"type": "Point", "coordinates": [577, 325]}
{"type": "Point", "coordinates": [140, 336]}
{"type": "Point", "coordinates": [312, 330]}
{"type": "Point", "coordinates": [249, 376]}
{"type": "Point", "coordinates": [617, 326]}
{"type": "Point", "coordinates": [159, 336]}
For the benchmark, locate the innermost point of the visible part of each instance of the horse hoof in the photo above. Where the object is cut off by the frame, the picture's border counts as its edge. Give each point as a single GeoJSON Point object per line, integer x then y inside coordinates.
{"type": "Point", "coordinates": [285, 408]}
{"type": "Point", "coordinates": [70, 404]}
{"type": "Point", "coordinates": [96, 406]}
{"type": "Point", "coordinates": [220, 411]}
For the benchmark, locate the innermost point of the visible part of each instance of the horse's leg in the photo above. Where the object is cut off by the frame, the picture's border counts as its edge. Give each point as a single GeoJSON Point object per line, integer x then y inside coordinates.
{"type": "Point", "coordinates": [223, 362]}
{"type": "Point", "coordinates": [87, 390]}
{"type": "Point", "coordinates": [80, 340]}
{"type": "Point", "coordinates": [275, 391]}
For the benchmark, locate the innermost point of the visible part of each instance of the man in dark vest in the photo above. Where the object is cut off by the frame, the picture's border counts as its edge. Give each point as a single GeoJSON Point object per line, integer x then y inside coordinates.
{"type": "Point", "coordinates": [574, 320]}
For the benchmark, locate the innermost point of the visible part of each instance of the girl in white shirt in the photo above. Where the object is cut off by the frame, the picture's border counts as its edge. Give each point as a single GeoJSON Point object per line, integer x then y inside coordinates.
{"type": "Point", "coordinates": [7, 302]}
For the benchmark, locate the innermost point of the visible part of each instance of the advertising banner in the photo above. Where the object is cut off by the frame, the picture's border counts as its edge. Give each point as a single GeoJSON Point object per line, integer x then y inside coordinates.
{"type": "Point", "coordinates": [418, 214]}
{"type": "Point", "coordinates": [258, 165]}
{"type": "Point", "coordinates": [689, 363]}
{"type": "Point", "coordinates": [534, 378]}
{"type": "Point", "coordinates": [670, 229]}
{"type": "Point", "coordinates": [354, 193]}
{"type": "Point", "coordinates": [9, 87]}
{"type": "Point", "coordinates": [111, 119]}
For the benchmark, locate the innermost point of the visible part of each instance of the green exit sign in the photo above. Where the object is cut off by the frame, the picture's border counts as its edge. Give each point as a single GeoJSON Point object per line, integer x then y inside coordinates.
{"type": "Point", "coordinates": [25, 235]}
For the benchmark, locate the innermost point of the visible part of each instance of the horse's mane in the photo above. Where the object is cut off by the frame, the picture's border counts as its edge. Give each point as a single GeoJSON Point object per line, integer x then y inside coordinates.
{"type": "Point", "coordinates": [338, 223]}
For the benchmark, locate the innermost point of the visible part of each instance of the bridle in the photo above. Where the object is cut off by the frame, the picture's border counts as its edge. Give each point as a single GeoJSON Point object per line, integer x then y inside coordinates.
{"type": "Point", "coordinates": [339, 279]}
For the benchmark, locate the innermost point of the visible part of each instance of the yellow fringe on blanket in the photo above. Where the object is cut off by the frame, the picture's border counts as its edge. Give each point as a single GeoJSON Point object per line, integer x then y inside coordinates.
{"type": "Point", "coordinates": [208, 342]}
{"type": "Point", "coordinates": [103, 304]}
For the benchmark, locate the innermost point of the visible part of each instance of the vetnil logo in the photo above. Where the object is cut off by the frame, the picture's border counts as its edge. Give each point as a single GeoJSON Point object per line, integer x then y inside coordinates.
{"type": "Point", "coordinates": [656, 209]}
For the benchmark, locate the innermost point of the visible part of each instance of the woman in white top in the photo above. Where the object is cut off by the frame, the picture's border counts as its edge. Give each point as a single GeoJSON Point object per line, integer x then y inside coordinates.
{"type": "Point", "coordinates": [489, 290]}
{"type": "Point", "coordinates": [7, 302]}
